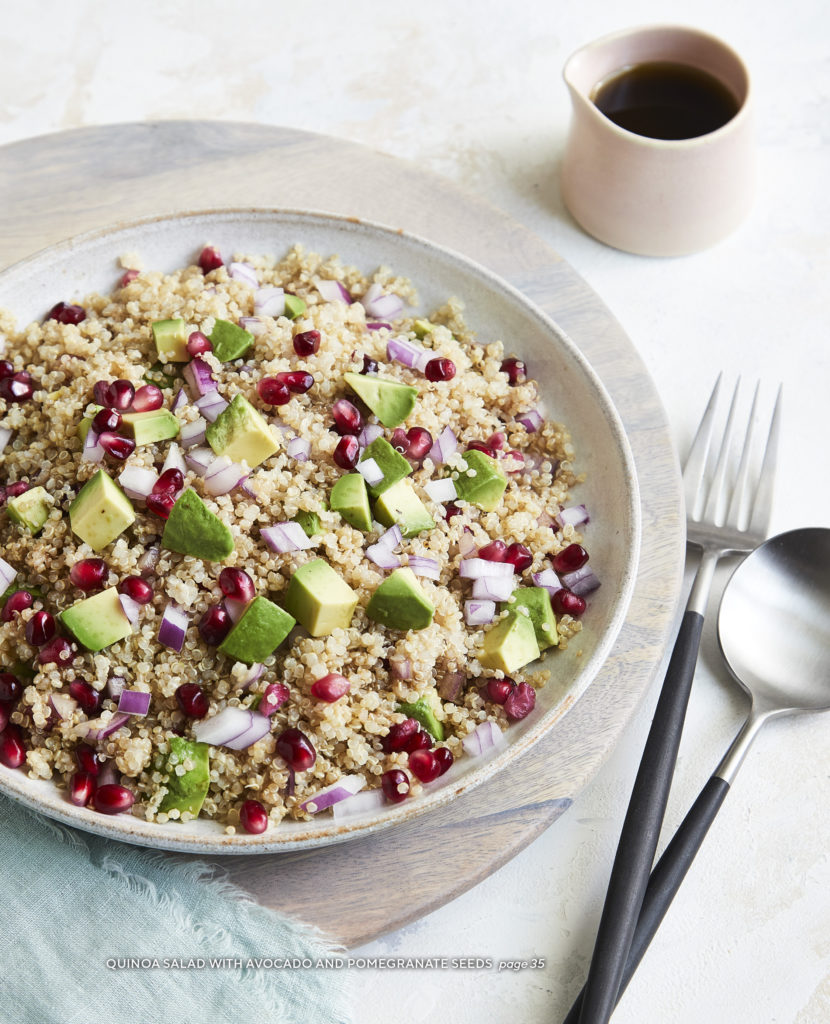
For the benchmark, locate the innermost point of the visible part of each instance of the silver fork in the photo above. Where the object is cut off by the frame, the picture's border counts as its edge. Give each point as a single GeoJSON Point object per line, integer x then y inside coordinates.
{"type": "Point", "coordinates": [728, 512]}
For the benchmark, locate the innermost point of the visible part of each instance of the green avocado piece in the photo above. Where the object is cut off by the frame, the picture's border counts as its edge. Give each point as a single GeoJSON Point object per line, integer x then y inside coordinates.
{"type": "Point", "coordinates": [309, 521]}
{"type": "Point", "coordinates": [149, 427]}
{"type": "Point", "coordinates": [258, 633]}
{"type": "Point", "coordinates": [30, 509]}
{"type": "Point", "coordinates": [294, 306]}
{"type": "Point", "coordinates": [186, 793]}
{"type": "Point", "coordinates": [230, 341]}
{"type": "Point", "coordinates": [391, 463]}
{"type": "Point", "coordinates": [170, 337]}
{"type": "Point", "coordinates": [192, 529]}
{"type": "Point", "coordinates": [389, 400]}
{"type": "Point", "coordinates": [536, 602]}
{"type": "Point", "coordinates": [97, 621]}
{"type": "Point", "coordinates": [350, 498]}
{"type": "Point", "coordinates": [319, 599]}
{"type": "Point", "coordinates": [422, 328]}
{"type": "Point", "coordinates": [242, 433]}
{"type": "Point", "coordinates": [400, 504]}
{"type": "Point", "coordinates": [486, 486]}
{"type": "Point", "coordinates": [100, 512]}
{"type": "Point", "coordinates": [510, 644]}
{"type": "Point", "coordinates": [400, 603]}
{"type": "Point", "coordinates": [423, 711]}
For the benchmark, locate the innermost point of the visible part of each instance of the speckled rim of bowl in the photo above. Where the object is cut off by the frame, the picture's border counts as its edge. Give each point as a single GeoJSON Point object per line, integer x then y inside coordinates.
{"type": "Point", "coordinates": [194, 837]}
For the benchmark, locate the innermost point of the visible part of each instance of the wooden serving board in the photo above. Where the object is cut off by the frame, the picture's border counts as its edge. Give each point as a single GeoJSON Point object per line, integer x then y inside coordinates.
{"type": "Point", "coordinates": [59, 185]}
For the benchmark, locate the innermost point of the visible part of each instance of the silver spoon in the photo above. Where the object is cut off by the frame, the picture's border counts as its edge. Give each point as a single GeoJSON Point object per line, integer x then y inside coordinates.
{"type": "Point", "coordinates": [785, 670]}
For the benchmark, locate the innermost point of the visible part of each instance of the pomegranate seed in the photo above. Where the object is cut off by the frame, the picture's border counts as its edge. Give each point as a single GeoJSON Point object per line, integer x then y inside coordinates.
{"type": "Point", "coordinates": [306, 343]}
{"type": "Point", "coordinates": [439, 369]}
{"type": "Point", "coordinates": [160, 504]}
{"type": "Point", "coordinates": [443, 755]}
{"type": "Point", "coordinates": [566, 602]}
{"type": "Point", "coordinates": [127, 278]}
{"type": "Point", "coordinates": [16, 489]}
{"type": "Point", "coordinates": [296, 749]}
{"type": "Point", "coordinates": [497, 441]}
{"type": "Point", "coordinates": [517, 458]}
{"type": "Point", "coordinates": [419, 442]}
{"type": "Point", "coordinates": [5, 711]}
{"type": "Point", "coordinates": [16, 603]}
{"type": "Point", "coordinates": [395, 784]}
{"type": "Point", "coordinates": [6, 369]}
{"type": "Point", "coordinates": [40, 629]}
{"type": "Point", "coordinates": [215, 625]}
{"type": "Point", "coordinates": [400, 441]}
{"type": "Point", "coordinates": [422, 740]}
{"type": "Point", "coordinates": [481, 446]}
{"type": "Point", "coordinates": [273, 697]}
{"type": "Point", "coordinates": [198, 343]}
{"type": "Point", "coordinates": [88, 699]}
{"type": "Point", "coordinates": [273, 391]}
{"type": "Point", "coordinates": [515, 369]}
{"type": "Point", "coordinates": [138, 589]}
{"type": "Point", "coordinates": [519, 557]}
{"type": "Point", "coordinates": [115, 445]}
{"type": "Point", "coordinates": [12, 751]}
{"type": "Point", "coordinates": [87, 759]}
{"type": "Point", "coordinates": [331, 687]}
{"type": "Point", "coordinates": [171, 481]}
{"type": "Point", "coordinates": [569, 559]}
{"type": "Point", "coordinates": [147, 398]}
{"type": "Point", "coordinates": [81, 788]}
{"type": "Point", "coordinates": [120, 395]}
{"type": "Point", "coordinates": [112, 799]}
{"type": "Point", "coordinates": [67, 314]}
{"type": "Point", "coordinates": [89, 574]}
{"type": "Point", "coordinates": [253, 817]}
{"type": "Point", "coordinates": [424, 765]}
{"type": "Point", "coordinates": [497, 690]}
{"type": "Point", "coordinates": [450, 510]}
{"type": "Point", "coordinates": [100, 392]}
{"type": "Point", "coordinates": [106, 419]}
{"type": "Point", "coordinates": [495, 551]}
{"type": "Point", "coordinates": [399, 735]}
{"type": "Point", "coordinates": [346, 452]}
{"type": "Point", "coordinates": [369, 365]}
{"type": "Point", "coordinates": [193, 700]}
{"type": "Point", "coordinates": [298, 381]}
{"type": "Point", "coordinates": [57, 652]}
{"type": "Point", "coordinates": [237, 585]}
{"type": "Point", "coordinates": [18, 388]}
{"type": "Point", "coordinates": [520, 702]}
{"type": "Point", "coordinates": [210, 259]}
{"type": "Point", "coordinates": [347, 418]}
{"type": "Point", "coordinates": [10, 687]}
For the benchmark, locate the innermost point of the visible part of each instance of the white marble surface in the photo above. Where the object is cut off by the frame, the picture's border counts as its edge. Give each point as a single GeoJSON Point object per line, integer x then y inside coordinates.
{"type": "Point", "coordinates": [474, 92]}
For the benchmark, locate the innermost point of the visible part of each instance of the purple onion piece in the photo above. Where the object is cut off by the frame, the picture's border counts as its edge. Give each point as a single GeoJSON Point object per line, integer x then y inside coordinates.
{"type": "Point", "coordinates": [173, 627]}
{"type": "Point", "coordinates": [211, 405]}
{"type": "Point", "coordinates": [575, 515]}
{"type": "Point", "coordinates": [366, 802]}
{"type": "Point", "coordinates": [371, 432]}
{"type": "Point", "coordinates": [253, 325]}
{"type": "Point", "coordinates": [383, 557]}
{"type": "Point", "coordinates": [479, 613]}
{"type": "Point", "coordinates": [134, 702]}
{"type": "Point", "coordinates": [345, 787]}
{"type": "Point", "coordinates": [193, 433]}
{"type": "Point", "coordinates": [179, 400]}
{"type": "Point", "coordinates": [243, 272]}
{"type": "Point", "coordinates": [198, 376]}
{"type": "Point", "coordinates": [222, 476]}
{"type": "Point", "coordinates": [493, 588]}
{"type": "Point", "coordinates": [441, 490]}
{"type": "Point", "coordinates": [531, 420]}
{"type": "Point", "coordinates": [581, 581]}
{"type": "Point", "coordinates": [137, 482]}
{"type": "Point", "coordinates": [269, 300]}
{"type": "Point", "coordinates": [451, 685]}
{"type": "Point", "coordinates": [131, 608]}
{"type": "Point", "coordinates": [378, 325]}
{"type": "Point", "coordinates": [446, 444]}
{"type": "Point", "coordinates": [299, 449]}
{"type": "Point", "coordinates": [370, 471]}
{"type": "Point", "coordinates": [548, 579]}
{"type": "Point", "coordinates": [7, 575]}
{"type": "Point", "coordinates": [423, 566]}
{"type": "Point", "coordinates": [5, 437]}
{"type": "Point", "coordinates": [475, 568]}
{"type": "Point", "coordinates": [285, 537]}
{"type": "Point", "coordinates": [484, 737]}
{"type": "Point", "coordinates": [334, 291]}
{"type": "Point", "coordinates": [228, 725]}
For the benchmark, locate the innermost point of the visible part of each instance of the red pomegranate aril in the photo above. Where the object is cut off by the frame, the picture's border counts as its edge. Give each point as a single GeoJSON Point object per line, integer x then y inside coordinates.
{"type": "Point", "coordinates": [450, 510]}
{"type": "Point", "coordinates": [443, 755]}
{"type": "Point", "coordinates": [100, 392]}
{"type": "Point", "coordinates": [424, 765]}
{"type": "Point", "coordinates": [481, 446]}
{"type": "Point", "coordinates": [306, 343]}
{"type": "Point", "coordinates": [515, 369]}
{"type": "Point", "coordinates": [81, 788]}
{"type": "Point", "coordinates": [330, 688]}
{"type": "Point", "coordinates": [519, 557]}
{"type": "Point", "coordinates": [65, 313]}
{"type": "Point", "coordinates": [12, 751]}
{"type": "Point", "coordinates": [106, 419]}
{"type": "Point", "coordinates": [395, 785]}
{"type": "Point", "coordinates": [296, 749]}
{"type": "Point", "coordinates": [400, 441]}
{"type": "Point", "coordinates": [273, 391]}
{"type": "Point", "coordinates": [127, 278]}
{"type": "Point", "coordinates": [495, 551]}
{"type": "Point", "coordinates": [17, 602]}
{"type": "Point", "coordinates": [273, 697]}
{"type": "Point", "coordinates": [369, 365]}
{"type": "Point", "coordinates": [10, 688]}
{"type": "Point", "coordinates": [5, 712]}
{"type": "Point", "coordinates": [298, 381]}
{"type": "Point", "coordinates": [420, 442]}
{"type": "Point", "coordinates": [17, 488]}
{"type": "Point", "coordinates": [566, 602]}
{"type": "Point", "coordinates": [346, 452]}
{"type": "Point", "coordinates": [160, 504]}
{"type": "Point", "coordinates": [171, 481]}
{"type": "Point", "coordinates": [497, 441]}
{"type": "Point", "coordinates": [120, 395]}
{"type": "Point", "coordinates": [18, 388]}
{"type": "Point", "coordinates": [237, 584]}
{"type": "Point", "coordinates": [57, 652]}
{"type": "Point", "coordinates": [253, 817]}
{"type": "Point", "coordinates": [215, 625]}
{"type": "Point", "coordinates": [210, 259]}
{"type": "Point", "coordinates": [193, 700]}
{"type": "Point", "coordinates": [516, 458]}
{"type": "Point", "coordinates": [40, 629]}
{"type": "Point", "coordinates": [520, 702]}
{"type": "Point", "coordinates": [112, 799]}
{"type": "Point", "coordinates": [422, 740]}
{"type": "Point", "coordinates": [198, 343]}
{"type": "Point", "coordinates": [498, 690]}
{"type": "Point", "coordinates": [569, 559]}
{"type": "Point", "coordinates": [136, 588]}
{"type": "Point", "coordinates": [148, 398]}
{"type": "Point", "coordinates": [87, 759]}
{"type": "Point", "coordinates": [439, 369]}
{"type": "Point", "coordinates": [347, 418]}
{"type": "Point", "coordinates": [89, 574]}
{"type": "Point", "coordinates": [6, 369]}
{"type": "Point", "coordinates": [115, 445]}
{"type": "Point", "coordinates": [399, 735]}
{"type": "Point", "coordinates": [88, 699]}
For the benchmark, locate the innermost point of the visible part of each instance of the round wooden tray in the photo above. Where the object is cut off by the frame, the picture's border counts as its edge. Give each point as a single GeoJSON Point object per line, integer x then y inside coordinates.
{"type": "Point", "coordinates": [59, 185]}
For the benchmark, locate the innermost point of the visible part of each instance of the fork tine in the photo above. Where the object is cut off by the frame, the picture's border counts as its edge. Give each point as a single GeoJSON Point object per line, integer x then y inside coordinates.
{"type": "Point", "coordinates": [735, 515]}
{"type": "Point", "coordinates": [762, 506]}
{"type": "Point", "coordinates": [695, 467]}
{"type": "Point", "coordinates": [713, 509]}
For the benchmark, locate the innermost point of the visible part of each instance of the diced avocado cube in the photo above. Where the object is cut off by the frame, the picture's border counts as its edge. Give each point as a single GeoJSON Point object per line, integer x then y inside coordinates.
{"type": "Point", "coordinates": [192, 529]}
{"type": "Point", "coordinates": [241, 433]}
{"type": "Point", "coordinates": [400, 504]}
{"type": "Point", "coordinates": [86, 423]}
{"type": "Point", "coordinates": [294, 306]}
{"type": "Point", "coordinates": [258, 633]}
{"type": "Point", "coordinates": [230, 341]}
{"type": "Point", "coordinates": [536, 602]}
{"type": "Point", "coordinates": [30, 509]}
{"type": "Point", "coordinates": [388, 399]}
{"type": "Point", "coordinates": [510, 644]}
{"type": "Point", "coordinates": [423, 710]}
{"type": "Point", "coordinates": [309, 521]}
{"type": "Point", "coordinates": [391, 463]}
{"type": "Point", "coordinates": [486, 486]}
{"type": "Point", "coordinates": [400, 603]}
{"type": "Point", "coordinates": [97, 621]}
{"type": "Point", "coordinates": [170, 337]}
{"type": "Point", "coordinates": [152, 426]}
{"type": "Point", "coordinates": [187, 792]}
{"type": "Point", "coordinates": [350, 498]}
{"type": "Point", "coordinates": [100, 512]}
{"type": "Point", "coordinates": [319, 599]}
{"type": "Point", "coordinates": [422, 328]}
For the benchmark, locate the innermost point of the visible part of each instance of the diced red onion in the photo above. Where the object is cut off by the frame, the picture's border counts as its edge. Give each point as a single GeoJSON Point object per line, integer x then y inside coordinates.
{"type": "Point", "coordinates": [174, 459]}
{"type": "Point", "coordinates": [484, 737]}
{"type": "Point", "coordinates": [260, 725]}
{"type": "Point", "coordinates": [179, 400]}
{"type": "Point", "coordinates": [446, 444]}
{"type": "Point", "coordinates": [269, 300]}
{"type": "Point", "coordinates": [137, 482]}
{"type": "Point", "coordinates": [5, 437]}
{"type": "Point", "coordinates": [198, 459]}
{"type": "Point", "coordinates": [475, 568]}
{"type": "Point", "coordinates": [7, 575]}
{"type": "Point", "coordinates": [384, 306]}
{"type": "Point", "coordinates": [370, 471]}
{"type": "Point", "coordinates": [391, 538]}
{"type": "Point", "coordinates": [450, 686]}
{"type": "Point", "coordinates": [285, 537]}
{"type": "Point", "coordinates": [64, 705]}
{"type": "Point", "coordinates": [299, 449]}
{"type": "Point", "coordinates": [173, 627]}
{"type": "Point", "coordinates": [548, 579]}
{"type": "Point", "coordinates": [531, 420]}
{"type": "Point", "coordinates": [131, 608]}
{"type": "Point", "coordinates": [383, 557]}
{"type": "Point", "coordinates": [243, 272]}
{"type": "Point", "coordinates": [423, 566]}
{"type": "Point", "coordinates": [222, 476]}
{"type": "Point", "coordinates": [365, 802]}
{"type": "Point", "coordinates": [95, 729]}
{"type": "Point", "coordinates": [576, 515]}
{"type": "Point", "coordinates": [479, 613]}
{"type": "Point", "coordinates": [441, 490]}
{"type": "Point", "coordinates": [193, 433]}
{"type": "Point", "coordinates": [543, 519]}
{"type": "Point", "coordinates": [407, 353]}
{"type": "Point", "coordinates": [92, 451]}
{"type": "Point", "coordinates": [253, 325]}
{"type": "Point", "coordinates": [581, 581]}
{"type": "Point", "coordinates": [211, 405]}
{"type": "Point", "coordinates": [334, 291]}
{"type": "Point", "coordinates": [490, 588]}
{"type": "Point", "coordinates": [115, 686]}
{"type": "Point", "coordinates": [467, 544]}
{"type": "Point", "coordinates": [255, 671]}
{"type": "Point", "coordinates": [235, 609]}
{"type": "Point", "coordinates": [198, 376]}
{"type": "Point", "coordinates": [134, 702]}
{"type": "Point", "coordinates": [233, 727]}
{"type": "Point", "coordinates": [346, 786]}
{"type": "Point", "coordinates": [371, 432]}
{"type": "Point", "coordinates": [401, 668]}
{"type": "Point", "coordinates": [378, 325]}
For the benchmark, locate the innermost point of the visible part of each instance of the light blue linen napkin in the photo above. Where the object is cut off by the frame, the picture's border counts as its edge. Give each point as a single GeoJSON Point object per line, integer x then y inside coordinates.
{"type": "Point", "coordinates": [96, 930]}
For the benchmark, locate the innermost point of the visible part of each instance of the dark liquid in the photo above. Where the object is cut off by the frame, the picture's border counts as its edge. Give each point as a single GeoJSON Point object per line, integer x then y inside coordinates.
{"type": "Point", "coordinates": [664, 100]}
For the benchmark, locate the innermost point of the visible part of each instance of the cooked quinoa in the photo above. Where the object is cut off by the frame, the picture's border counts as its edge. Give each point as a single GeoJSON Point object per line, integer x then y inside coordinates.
{"type": "Point", "coordinates": [115, 342]}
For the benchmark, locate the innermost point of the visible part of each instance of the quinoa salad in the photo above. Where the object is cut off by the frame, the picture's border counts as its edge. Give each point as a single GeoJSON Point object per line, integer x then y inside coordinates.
{"type": "Point", "coordinates": [271, 546]}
